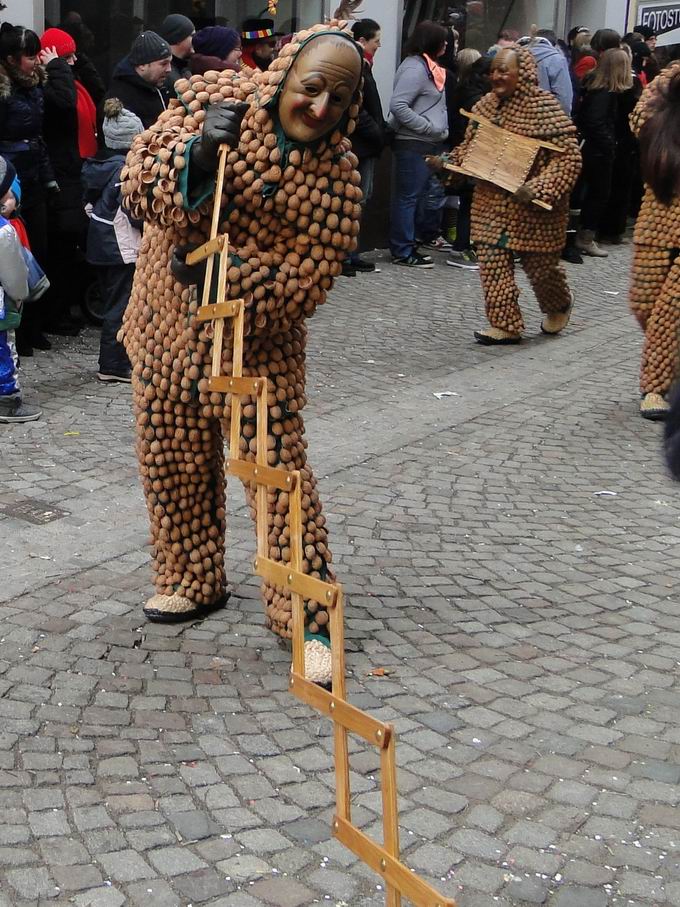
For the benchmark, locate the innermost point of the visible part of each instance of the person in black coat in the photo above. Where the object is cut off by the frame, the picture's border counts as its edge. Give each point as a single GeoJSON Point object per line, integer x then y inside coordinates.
{"type": "Point", "coordinates": [69, 130]}
{"type": "Point", "coordinates": [625, 166]}
{"type": "Point", "coordinates": [597, 124]}
{"type": "Point", "coordinates": [22, 108]}
{"type": "Point", "coordinates": [368, 139]}
{"type": "Point", "coordinates": [178, 31]}
{"type": "Point", "coordinates": [139, 79]}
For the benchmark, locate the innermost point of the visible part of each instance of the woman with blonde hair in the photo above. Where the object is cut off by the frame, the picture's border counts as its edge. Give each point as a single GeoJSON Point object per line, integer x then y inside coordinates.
{"type": "Point", "coordinates": [596, 119]}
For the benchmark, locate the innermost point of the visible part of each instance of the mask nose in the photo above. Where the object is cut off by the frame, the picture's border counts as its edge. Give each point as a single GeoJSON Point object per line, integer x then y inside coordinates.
{"type": "Point", "coordinates": [320, 105]}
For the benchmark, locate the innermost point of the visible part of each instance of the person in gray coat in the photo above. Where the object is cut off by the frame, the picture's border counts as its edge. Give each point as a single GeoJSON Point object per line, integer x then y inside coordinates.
{"type": "Point", "coordinates": [419, 121]}
{"type": "Point", "coordinates": [553, 68]}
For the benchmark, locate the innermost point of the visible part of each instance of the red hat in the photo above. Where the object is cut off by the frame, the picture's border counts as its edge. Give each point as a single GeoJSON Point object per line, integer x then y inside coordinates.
{"type": "Point", "coordinates": [60, 40]}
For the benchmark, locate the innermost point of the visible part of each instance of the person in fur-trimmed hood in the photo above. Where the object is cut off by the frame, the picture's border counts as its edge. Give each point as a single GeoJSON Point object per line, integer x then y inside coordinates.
{"type": "Point", "coordinates": [291, 208]}
{"type": "Point", "coordinates": [23, 83]}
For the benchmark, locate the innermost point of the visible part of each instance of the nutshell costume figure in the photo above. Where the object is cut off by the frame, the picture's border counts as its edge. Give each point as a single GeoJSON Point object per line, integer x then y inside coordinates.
{"type": "Point", "coordinates": [504, 224]}
{"type": "Point", "coordinates": [655, 280]}
{"type": "Point", "coordinates": [291, 208]}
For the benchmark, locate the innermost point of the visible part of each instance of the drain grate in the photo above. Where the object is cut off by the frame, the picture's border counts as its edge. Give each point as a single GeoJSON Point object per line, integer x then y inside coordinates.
{"type": "Point", "coordinates": [32, 510]}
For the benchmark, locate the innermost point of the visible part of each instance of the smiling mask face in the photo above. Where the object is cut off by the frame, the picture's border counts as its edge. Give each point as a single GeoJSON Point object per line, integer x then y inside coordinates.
{"type": "Point", "coordinates": [319, 88]}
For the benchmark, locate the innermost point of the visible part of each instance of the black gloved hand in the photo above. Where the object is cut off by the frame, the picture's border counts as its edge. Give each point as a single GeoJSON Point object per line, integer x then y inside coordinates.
{"type": "Point", "coordinates": [188, 275]}
{"type": "Point", "coordinates": [222, 126]}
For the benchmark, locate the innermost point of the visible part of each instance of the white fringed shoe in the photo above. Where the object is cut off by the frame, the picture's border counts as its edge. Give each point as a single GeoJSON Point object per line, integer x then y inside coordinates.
{"type": "Point", "coordinates": [318, 662]}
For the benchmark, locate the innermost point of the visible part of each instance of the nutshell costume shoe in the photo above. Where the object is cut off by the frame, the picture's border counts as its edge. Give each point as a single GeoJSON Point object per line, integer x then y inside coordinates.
{"type": "Point", "coordinates": [497, 337]}
{"type": "Point", "coordinates": [173, 609]}
{"type": "Point", "coordinates": [318, 660]}
{"type": "Point", "coordinates": [654, 407]}
{"type": "Point", "coordinates": [557, 321]}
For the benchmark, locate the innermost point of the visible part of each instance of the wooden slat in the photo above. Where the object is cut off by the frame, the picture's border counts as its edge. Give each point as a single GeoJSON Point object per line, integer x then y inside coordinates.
{"type": "Point", "coordinates": [218, 340]}
{"type": "Point", "coordinates": [263, 475]}
{"type": "Point", "coordinates": [485, 121]}
{"type": "Point", "coordinates": [225, 384]}
{"type": "Point", "coordinates": [388, 783]}
{"type": "Point", "coordinates": [297, 601]}
{"type": "Point", "coordinates": [341, 746]}
{"type": "Point", "coordinates": [211, 247]}
{"type": "Point", "coordinates": [307, 586]}
{"type": "Point", "coordinates": [394, 873]}
{"type": "Point", "coordinates": [349, 716]}
{"type": "Point", "coordinates": [261, 503]}
{"type": "Point", "coordinates": [226, 309]}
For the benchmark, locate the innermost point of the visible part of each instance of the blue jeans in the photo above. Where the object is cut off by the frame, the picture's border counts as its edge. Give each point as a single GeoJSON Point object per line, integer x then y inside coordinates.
{"type": "Point", "coordinates": [9, 375]}
{"type": "Point", "coordinates": [416, 202]}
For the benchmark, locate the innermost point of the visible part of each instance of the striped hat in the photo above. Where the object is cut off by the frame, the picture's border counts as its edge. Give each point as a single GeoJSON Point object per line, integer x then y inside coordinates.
{"type": "Point", "coordinates": [257, 29]}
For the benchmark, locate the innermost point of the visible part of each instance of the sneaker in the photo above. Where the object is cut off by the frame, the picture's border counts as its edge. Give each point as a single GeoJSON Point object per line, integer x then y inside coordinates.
{"type": "Point", "coordinates": [466, 259]}
{"type": "Point", "coordinates": [365, 267]}
{"type": "Point", "coordinates": [414, 261]}
{"type": "Point", "coordinates": [439, 244]}
{"type": "Point", "coordinates": [115, 377]}
{"type": "Point", "coordinates": [13, 410]}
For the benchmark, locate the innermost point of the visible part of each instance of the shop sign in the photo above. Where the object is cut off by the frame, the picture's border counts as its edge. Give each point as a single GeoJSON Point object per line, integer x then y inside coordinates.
{"type": "Point", "coordinates": [664, 18]}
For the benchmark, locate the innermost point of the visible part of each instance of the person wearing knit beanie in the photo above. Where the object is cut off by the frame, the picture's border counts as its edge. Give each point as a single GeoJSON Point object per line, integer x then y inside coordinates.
{"type": "Point", "coordinates": [178, 31]}
{"type": "Point", "coordinates": [216, 47]}
{"type": "Point", "coordinates": [120, 126]}
{"type": "Point", "coordinates": [60, 41]}
{"type": "Point", "coordinates": [148, 48]}
{"type": "Point", "coordinates": [7, 176]}
{"type": "Point", "coordinates": [139, 79]}
{"type": "Point", "coordinates": [112, 238]}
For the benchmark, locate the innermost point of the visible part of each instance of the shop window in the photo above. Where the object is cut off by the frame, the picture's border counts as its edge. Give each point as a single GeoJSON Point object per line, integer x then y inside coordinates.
{"type": "Point", "coordinates": [479, 22]}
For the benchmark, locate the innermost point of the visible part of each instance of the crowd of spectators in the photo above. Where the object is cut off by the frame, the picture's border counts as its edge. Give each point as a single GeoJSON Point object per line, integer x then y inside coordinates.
{"type": "Point", "coordinates": [64, 135]}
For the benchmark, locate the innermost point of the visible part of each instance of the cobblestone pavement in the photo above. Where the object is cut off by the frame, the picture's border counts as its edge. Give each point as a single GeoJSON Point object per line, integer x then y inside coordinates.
{"type": "Point", "coordinates": [526, 619]}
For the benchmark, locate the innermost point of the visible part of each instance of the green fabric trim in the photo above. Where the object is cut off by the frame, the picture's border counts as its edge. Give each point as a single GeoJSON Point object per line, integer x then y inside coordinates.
{"type": "Point", "coordinates": [322, 639]}
{"type": "Point", "coordinates": [200, 193]}
{"type": "Point", "coordinates": [11, 320]}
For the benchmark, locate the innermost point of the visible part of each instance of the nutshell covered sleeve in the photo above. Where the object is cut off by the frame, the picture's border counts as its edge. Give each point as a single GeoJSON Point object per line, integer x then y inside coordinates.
{"type": "Point", "coordinates": [557, 171]}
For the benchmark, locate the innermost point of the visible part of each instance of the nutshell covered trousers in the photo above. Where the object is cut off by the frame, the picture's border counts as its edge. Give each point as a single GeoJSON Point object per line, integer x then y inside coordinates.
{"type": "Point", "coordinates": [497, 272]}
{"type": "Point", "coordinates": [655, 302]}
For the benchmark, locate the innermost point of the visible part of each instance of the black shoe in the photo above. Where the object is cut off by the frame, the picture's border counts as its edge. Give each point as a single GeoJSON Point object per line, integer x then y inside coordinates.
{"type": "Point", "coordinates": [24, 349]}
{"type": "Point", "coordinates": [364, 267]}
{"type": "Point", "coordinates": [65, 328]}
{"type": "Point", "coordinates": [40, 342]}
{"type": "Point", "coordinates": [13, 410]}
{"type": "Point", "coordinates": [348, 269]}
{"type": "Point", "coordinates": [414, 261]}
{"type": "Point", "coordinates": [572, 254]}
{"type": "Point", "coordinates": [112, 377]}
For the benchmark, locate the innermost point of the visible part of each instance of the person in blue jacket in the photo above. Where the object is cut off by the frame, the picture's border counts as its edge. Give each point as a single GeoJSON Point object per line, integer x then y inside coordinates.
{"type": "Point", "coordinates": [14, 290]}
{"type": "Point", "coordinates": [113, 237]}
{"type": "Point", "coordinates": [553, 67]}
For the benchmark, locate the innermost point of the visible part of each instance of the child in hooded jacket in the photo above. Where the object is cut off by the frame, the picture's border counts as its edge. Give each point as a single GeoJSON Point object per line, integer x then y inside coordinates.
{"type": "Point", "coordinates": [14, 291]}
{"type": "Point", "coordinates": [113, 237]}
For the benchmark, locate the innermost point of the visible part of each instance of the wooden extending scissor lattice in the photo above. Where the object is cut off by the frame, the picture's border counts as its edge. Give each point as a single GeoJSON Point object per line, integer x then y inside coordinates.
{"type": "Point", "coordinates": [347, 719]}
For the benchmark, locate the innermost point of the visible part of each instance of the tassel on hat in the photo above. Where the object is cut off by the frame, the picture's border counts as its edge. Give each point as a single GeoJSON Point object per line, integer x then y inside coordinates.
{"type": "Point", "coordinates": [120, 125]}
